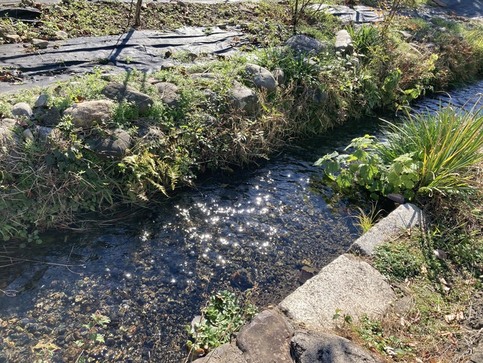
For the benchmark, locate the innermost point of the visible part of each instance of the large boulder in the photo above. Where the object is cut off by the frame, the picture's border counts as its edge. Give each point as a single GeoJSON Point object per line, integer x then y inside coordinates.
{"type": "Point", "coordinates": [22, 109]}
{"type": "Point", "coordinates": [244, 99]}
{"type": "Point", "coordinates": [261, 77]}
{"type": "Point", "coordinates": [304, 44]}
{"type": "Point", "coordinates": [87, 114]}
{"type": "Point", "coordinates": [168, 93]}
{"type": "Point", "coordinates": [120, 92]}
{"type": "Point", "coordinates": [343, 42]}
{"type": "Point", "coordinates": [266, 339]}
{"type": "Point", "coordinates": [327, 348]}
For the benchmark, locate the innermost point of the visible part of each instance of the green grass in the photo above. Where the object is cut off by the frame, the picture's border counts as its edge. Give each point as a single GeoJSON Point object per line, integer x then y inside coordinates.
{"type": "Point", "coordinates": [446, 144]}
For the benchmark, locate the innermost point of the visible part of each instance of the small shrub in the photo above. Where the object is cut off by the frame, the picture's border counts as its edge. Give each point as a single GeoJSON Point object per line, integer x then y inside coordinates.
{"type": "Point", "coordinates": [224, 315]}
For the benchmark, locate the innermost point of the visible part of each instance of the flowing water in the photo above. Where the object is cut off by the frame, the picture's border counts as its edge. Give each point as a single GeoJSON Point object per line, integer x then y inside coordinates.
{"type": "Point", "coordinates": [150, 276]}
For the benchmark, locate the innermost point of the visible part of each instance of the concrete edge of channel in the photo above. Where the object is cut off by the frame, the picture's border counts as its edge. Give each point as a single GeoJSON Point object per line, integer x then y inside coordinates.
{"type": "Point", "coordinates": [304, 325]}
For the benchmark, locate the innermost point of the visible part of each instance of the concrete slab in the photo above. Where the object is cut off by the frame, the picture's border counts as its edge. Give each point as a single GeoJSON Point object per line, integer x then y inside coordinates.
{"type": "Point", "coordinates": [347, 286]}
{"type": "Point", "coordinates": [402, 219]}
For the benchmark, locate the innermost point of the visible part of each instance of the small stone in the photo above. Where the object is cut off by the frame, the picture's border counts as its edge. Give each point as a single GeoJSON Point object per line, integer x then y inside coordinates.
{"type": "Point", "coordinates": [343, 42]}
{"type": "Point", "coordinates": [321, 348]}
{"type": "Point", "coordinates": [7, 133]}
{"type": "Point", "coordinates": [116, 144]}
{"type": "Point", "coordinates": [203, 76]}
{"type": "Point", "coordinates": [305, 44]}
{"type": "Point", "coordinates": [43, 132]}
{"type": "Point", "coordinates": [440, 254]}
{"type": "Point", "coordinates": [241, 279]}
{"type": "Point", "coordinates": [28, 135]}
{"type": "Point", "coordinates": [261, 77]}
{"type": "Point", "coordinates": [22, 109]}
{"type": "Point", "coordinates": [120, 92]}
{"type": "Point", "coordinates": [306, 272]}
{"type": "Point", "coordinates": [14, 38]}
{"type": "Point", "coordinates": [244, 99]}
{"type": "Point", "coordinates": [42, 101]}
{"type": "Point", "coordinates": [40, 43]}
{"type": "Point", "coordinates": [47, 116]}
{"type": "Point", "coordinates": [169, 93]}
{"type": "Point", "coordinates": [226, 353]}
{"type": "Point", "coordinates": [86, 114]}
{"type": "Point", "coordinates": [61, 35]}
{"type": "Point", "coordinates": [279, 76]}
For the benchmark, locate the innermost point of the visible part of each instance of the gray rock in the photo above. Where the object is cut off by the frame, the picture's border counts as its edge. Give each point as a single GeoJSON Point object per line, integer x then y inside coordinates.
{"type": "Point", "coordinates": [42, 101]}
{"type": "Point", "coordinates": [400, 220]}
{"type": "Point", "coordinates": [40, 43]}
{"type": "Point", "coordinates": [22, 109]}
{"type": "Point", "coordinates": [327, 348]}
{"type": "Point", "coordinates": [47, 116]}
{"type": "Point", "coordinates": [474, 314]}
{"type": "Point", "coordinates": [226, 353]}
{"type": "Point", "coordinates": [61, 35]}
{"type": "Point", "coordinates": [477, 356]}
{"type": "Point", "coordinates": [279, 76]}
{"type": "Point", "coordinates": [204, 76]}
{"type": "Point", "coordinates": [43, 132]}
{"type": "Point", "coordinates": [348, 285]}
{"type": "Point", "coordinates": [116, 144]}
{"type": "Point", "coordinates": [244, 99]}
{"type": "Point", "coordinates": [28, 135]}
{"type": "Point", "coordinates": [343, 42]}
{"type": "Point", "coordinates": [261, 77]}
{"type": "Point", "coordinates": [169, 93]}
{"type": "Point", "coordinates": [86, 114]}
{"type": "Point", "coordinates": [266, 339]}
{"type": "Point", "coordinates": [120, 92]}
{"type": "Point", "coordinates": [151, 133]}
{"type": "Point", "coordinates": [305, 44]}
{"type": "Point", "coordinates": [306, 272]}
{"type": "Point", "coordinates": [7, 133]}
{"type": "Point", "coordinates": [13, 37]}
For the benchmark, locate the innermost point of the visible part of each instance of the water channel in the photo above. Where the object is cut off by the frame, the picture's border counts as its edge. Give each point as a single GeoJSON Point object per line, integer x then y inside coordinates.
{"type": "Point", "coordinates": [151, 276]}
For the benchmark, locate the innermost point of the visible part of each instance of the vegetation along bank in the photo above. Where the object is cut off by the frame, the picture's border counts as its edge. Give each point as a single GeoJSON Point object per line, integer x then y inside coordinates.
{"type": "Point", "coordinates": [101, 142]}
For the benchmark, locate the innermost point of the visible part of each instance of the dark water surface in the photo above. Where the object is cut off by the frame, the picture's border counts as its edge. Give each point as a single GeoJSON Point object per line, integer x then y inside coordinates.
{"type": "Point", "coordinates": [151, 276]}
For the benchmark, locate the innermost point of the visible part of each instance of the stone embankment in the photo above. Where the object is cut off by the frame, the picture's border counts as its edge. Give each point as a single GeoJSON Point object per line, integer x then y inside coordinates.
{"type": "Point", "coordinates": [303, 327]}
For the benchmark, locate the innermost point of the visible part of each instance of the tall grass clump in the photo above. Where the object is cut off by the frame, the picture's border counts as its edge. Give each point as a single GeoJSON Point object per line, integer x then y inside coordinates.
{"type": "Point", "coordinates": [446, 144]}
{"type": "Point", "coordinates": [422, 156]}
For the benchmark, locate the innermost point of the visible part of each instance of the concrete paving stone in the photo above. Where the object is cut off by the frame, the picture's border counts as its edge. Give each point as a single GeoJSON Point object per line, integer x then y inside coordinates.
{"type": "Point", "coordinates": [402, 219]}
{"type": "Point", "coordinates": [348, 286]}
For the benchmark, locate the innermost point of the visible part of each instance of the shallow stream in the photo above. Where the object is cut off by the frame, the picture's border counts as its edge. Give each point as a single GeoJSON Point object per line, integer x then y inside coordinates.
{"type": "Point", "coordinates": [257, 227]}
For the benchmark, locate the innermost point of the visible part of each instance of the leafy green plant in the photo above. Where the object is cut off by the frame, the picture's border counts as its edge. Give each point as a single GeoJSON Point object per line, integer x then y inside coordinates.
{"type": "Point", "coordinates": [95, 327]}
{"type": "Point", "coordinates": [398, 260]}
{"type": "Point", "coordinates": [374, 336]}
{"type": "Point", "coordinates": [444, 145]}
{"type": "Point", "coordinates": [426, 154]}
{"type": "Point", "coordinates": [365, 220]}
{"type": "Point", "coordinates": [223, 315]}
